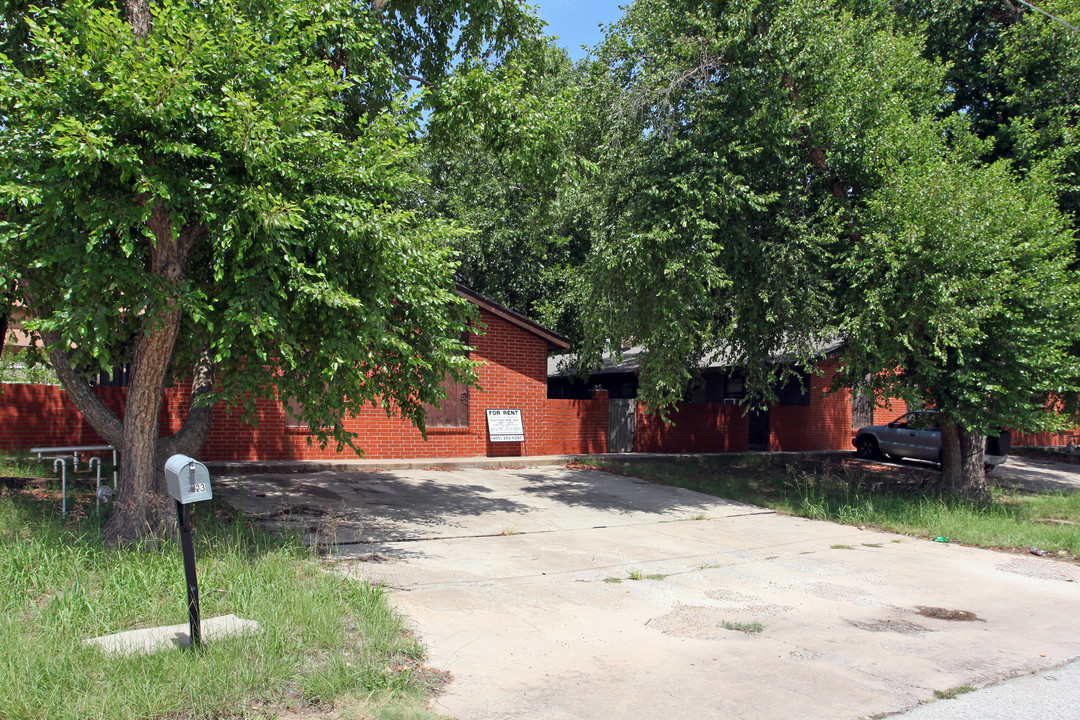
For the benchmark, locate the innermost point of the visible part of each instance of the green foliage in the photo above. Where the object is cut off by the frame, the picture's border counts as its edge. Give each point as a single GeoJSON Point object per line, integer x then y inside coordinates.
{"type": "Point", "coordinates": [1013, 73]}
{"type": "Point", "coordinates": [776, 176]}
{"type": "Point", "coordinates": [322, 638]}
{"type": "Point", "coordinates": [306, 272]}
{"type": "Point", "coordinates": [741, 141]}
{"type": "Point", "coordinates": [507, 157]}
{"type": "Point", "coordinates": [964, 285]}
{"type": "Point", "coordinates": [25, 365]}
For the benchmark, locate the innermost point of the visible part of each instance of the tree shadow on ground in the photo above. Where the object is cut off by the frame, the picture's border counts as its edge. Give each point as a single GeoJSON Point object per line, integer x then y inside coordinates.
{"type": "Point", "coordinates": [609, 492]}
{"type": "Point", "coordinates": [359, 507]}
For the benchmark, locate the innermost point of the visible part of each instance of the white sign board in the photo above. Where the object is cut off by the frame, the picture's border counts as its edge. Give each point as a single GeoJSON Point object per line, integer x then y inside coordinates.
{"type": "Point", "coordinates": [505, 426]}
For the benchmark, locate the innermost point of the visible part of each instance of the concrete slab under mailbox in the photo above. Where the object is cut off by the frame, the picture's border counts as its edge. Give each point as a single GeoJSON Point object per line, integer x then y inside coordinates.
{"type": "Point", "coordinates": [519, 581]}
{"type": "Point", "coordinates": [155, 639]}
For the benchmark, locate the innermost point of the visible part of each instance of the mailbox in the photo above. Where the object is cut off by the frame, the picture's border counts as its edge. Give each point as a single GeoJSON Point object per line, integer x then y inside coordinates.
{"type": "Point", "coordinates": [187, 479]}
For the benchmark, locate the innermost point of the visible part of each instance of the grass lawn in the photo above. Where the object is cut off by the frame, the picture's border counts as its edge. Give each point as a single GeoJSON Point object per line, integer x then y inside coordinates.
{"type": "Point", "coordinates": [325, 640]}
{"type": "Point", "coordinates": [856, 493]}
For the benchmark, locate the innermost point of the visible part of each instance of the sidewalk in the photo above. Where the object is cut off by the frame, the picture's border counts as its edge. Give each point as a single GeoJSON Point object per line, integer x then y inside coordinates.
{"type": "Point", "coordinates": [1048, 694]}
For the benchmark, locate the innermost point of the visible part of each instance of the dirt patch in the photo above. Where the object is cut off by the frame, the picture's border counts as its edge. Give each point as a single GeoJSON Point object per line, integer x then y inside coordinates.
{"type": "Point", "coordinates": [897, 626]}
{"type": "Point", "coordinates": [945, 614]}
{"type": "Point", "coordinates": [291, 511]}
{"type": "Point", "coordinates": [869, 476]}
{"type": "Point", "coordinates": [697, 622]}
{"type": "Point", "coordinates": [21, 483]}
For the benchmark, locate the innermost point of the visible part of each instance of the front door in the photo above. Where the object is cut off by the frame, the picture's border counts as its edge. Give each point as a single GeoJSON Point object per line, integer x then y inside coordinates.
{"type": "Point", "coordinates": [759, 430]}
{"type": "Point", "coordinates": [622, 424]}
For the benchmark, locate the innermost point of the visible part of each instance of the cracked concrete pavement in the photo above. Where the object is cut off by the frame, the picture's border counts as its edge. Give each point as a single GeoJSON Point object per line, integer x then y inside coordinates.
{"type": "Point", "coordinates": [521, 583]}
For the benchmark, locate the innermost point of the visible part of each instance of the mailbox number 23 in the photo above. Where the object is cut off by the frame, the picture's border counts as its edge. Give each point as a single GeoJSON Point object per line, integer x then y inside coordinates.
{"type": "Point", "coordinates": [198, 488]}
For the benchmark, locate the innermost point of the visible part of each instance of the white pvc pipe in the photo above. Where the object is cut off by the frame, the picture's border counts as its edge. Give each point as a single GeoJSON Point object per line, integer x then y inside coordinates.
{"type": "Point", "coordinates": [97, 488]}
{"type": "Point", "coordinates": [63, 484]}
{"type": "Point", "coordinates": [74, 449]}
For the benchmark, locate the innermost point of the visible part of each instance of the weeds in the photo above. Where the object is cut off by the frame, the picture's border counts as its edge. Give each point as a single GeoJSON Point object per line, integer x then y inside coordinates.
{"type": "Point", "coordinates": [638, 575]}
{"type": "Point", "coordinates": [323, 638]}
{"type": "Point", "coordinates": [750, 628]}
{"type": "Point", "coordinates": [953, 692]}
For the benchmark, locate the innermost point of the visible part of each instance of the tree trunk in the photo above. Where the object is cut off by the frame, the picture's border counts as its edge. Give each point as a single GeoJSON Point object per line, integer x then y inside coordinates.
{"type": "Point", "coordinates": [138, 13]}
{"type": "Point", "coordinates": [141, 502]}
{"type": "Point", "coordinates": [962, 457]}
{"type": "Point", "coordinates": [140, 506]}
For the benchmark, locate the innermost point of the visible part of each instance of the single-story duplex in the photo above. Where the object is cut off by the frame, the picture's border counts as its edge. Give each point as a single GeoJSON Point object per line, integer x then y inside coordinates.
{"type": "Point", "coordinates": [806, 415]}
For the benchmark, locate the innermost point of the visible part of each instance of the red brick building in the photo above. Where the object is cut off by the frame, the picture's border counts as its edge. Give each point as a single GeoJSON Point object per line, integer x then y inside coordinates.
{"type": "Point", "coordinates": [511, 352]}
{"type": "Point", "coordinates": [559, 416]}
{"type": "Point", "coordinates": [806, 417]}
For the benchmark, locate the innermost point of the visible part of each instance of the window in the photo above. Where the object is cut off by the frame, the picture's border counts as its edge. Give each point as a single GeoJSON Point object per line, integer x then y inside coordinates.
{"type": "Point", "coordinates": [795, 391]}
{"type": "Point", "coordinates": [293, 411]}
{"type": "Point", "coordinates": [734, 388]}
{"type": "Point", "coordinates": [453, 410]}
{"type": "Point", "coordinates": [862, 410]}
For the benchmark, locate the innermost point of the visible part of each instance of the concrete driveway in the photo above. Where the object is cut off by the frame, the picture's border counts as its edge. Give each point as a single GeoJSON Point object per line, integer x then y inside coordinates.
{"type": "Point", "coordinates": [1034, 474]}
{"type": "Point", "coordinates": [520, 582]}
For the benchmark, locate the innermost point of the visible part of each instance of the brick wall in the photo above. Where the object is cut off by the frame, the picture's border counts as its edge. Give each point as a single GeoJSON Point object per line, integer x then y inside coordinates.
{"type": "Point", "coordinates": [512, 374]}
{"type": "Point", "coordinates": [577, 426]}
{"type": "Point", "coordinates": [1043, 439]}
{"type": "Point", "coordinates": [694, 427]}
{"type": "Point", "coordinates": [824, 424]}
{"type": "Point", "coordinates": [42, 416]}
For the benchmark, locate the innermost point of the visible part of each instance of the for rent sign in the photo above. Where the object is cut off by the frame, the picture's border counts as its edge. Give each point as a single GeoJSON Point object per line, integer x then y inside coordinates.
{"type": "Point", "coordinates": [505, 426]}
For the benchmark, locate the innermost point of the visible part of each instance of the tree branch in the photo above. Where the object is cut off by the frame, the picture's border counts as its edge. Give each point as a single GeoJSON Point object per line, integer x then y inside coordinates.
{"type": "Point", "coordinates": [138, 14]}
{"type": "Point", "coordinates": [190, 234]}
{"type": "Point", "coordinates": [192, 435]}
{"type": "Point", "coordinates": [422, 81]}
{"type": "Point", "coordinates": [89, 405]}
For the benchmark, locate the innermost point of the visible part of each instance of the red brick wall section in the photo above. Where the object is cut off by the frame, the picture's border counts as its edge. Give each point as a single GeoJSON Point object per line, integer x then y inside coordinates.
{"type": "Point", "coordinates": [824, 424]}
{"type": "Point", "coordinates": [1043, 439]}
{"type": "Point", "coordinates": [577, 426]}
{"type": "Point", "coordinates": [512, 372]}
{"type": "Point", "coordinates": [885, 415]}
{"type": "Point", "coordinates": [694, 427]}
{"type": "Point", "coordinates": [42, 416]}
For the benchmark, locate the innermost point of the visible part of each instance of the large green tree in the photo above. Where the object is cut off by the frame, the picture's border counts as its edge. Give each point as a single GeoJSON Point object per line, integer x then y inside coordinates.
{"type": "Point", "coordinates": [1014, 73]}
{"type": "Point", "coordinates": [775, 175]}
{"type": "Point", "coordinates": [213, 191]}
{"type": "Point", "coordinates": [960, 297]}
{"type": "Point", "coordinates": [507, 150]}
{"type": "Point", "coordinates": [741, 142]}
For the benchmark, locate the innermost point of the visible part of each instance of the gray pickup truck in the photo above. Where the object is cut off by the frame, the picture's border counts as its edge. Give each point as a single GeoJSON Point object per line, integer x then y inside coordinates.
{"type": "Point", "coordinates": [917, 435]}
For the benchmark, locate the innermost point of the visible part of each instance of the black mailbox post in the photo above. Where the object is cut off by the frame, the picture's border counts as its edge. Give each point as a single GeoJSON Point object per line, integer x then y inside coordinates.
{"type": "Point", "coordinates": [188, 481]}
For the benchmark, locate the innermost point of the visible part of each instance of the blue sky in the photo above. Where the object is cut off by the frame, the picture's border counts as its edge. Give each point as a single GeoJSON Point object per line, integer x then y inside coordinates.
{"type": "Point", "coordinates": [576, 22]}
